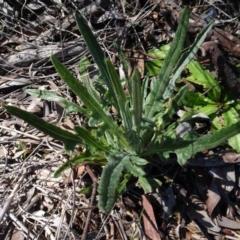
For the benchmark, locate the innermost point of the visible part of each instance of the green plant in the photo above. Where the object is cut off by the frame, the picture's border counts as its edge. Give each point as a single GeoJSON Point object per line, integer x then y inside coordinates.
{"type": "Point", "coordinates": [143, 125]}
{"type": "Point", "coordinates": [220, 105]}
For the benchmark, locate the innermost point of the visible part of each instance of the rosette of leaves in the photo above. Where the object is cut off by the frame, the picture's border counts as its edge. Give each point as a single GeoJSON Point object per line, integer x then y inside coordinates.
{"type": "Point", "coordinates": [143, 124]}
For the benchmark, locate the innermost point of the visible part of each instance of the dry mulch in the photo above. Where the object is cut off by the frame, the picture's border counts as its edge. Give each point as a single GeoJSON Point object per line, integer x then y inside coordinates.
{"type": "Point", "coordinates": [199, 201]}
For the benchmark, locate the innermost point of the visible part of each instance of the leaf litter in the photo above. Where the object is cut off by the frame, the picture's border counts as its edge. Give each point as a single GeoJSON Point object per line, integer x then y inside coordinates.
{"type": "Point", "coordinates": [199, 201]}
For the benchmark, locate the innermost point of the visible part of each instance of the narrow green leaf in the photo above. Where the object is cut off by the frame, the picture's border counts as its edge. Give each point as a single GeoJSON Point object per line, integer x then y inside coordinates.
{"type": "Point", "coordinates": [69, 139]}
{"type": "Point", "coordinates": [89, 101]}
{"type": "Point", "coordinates": [84, 64]}
{"type": "Point", "coordinates": [123, 60]}
{"type": "Point", "coordinates": [110, 180]}
{"type": "Point", "coordinates": [119, 96]}
{"type": "Point", "coordinates": [167, 145]}
{"type": "Point", "coordinates": [207, 142]}
{"type": "Point", "coordinates": [186, 58]}
{"type": "Point", "coordinates": [92, 44]}
{"type": "Point", "coordinates": [137, 100]}
{"type": "Point", "coordinates": [95, 50]}
{"type": "Point", "coordinates": [159, 86]}
{"type": "Point", "coordinates": [52, 96]}
{"type": "Point", "coordinates": [88, 139]}
{"type": "Point", "coordinates": [144, 90]}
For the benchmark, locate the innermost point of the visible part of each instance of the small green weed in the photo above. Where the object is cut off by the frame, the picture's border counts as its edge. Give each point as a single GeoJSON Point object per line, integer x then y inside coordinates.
{"type": "Point", "coordinates": [220, 105]}
{"type": "Point", "coordinates": [143, 126]}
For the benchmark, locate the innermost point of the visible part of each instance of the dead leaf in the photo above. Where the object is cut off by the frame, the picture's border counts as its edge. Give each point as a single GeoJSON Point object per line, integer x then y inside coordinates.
{"type": "Point", "coordinates": [3, 151]}
{"type": "Point", "coordinates": [201, 218]}
{"type": "Point", "coordinates": [13, 80]}
{"type": "Point", "coordinates": [149, 221]}
{"type": "Point", "coordinates": [229, 42]}
{"type": "Point", "coordinates": [218, 159]}
{"type": "Point", "coordinates": [228, 179]}
{"type": "Point", "coordinates": [167, 201]}
{"type": "Point", "coordinates": [17, 235]}
{"type": "Point", "coordinates": [213, 197]}
{"type": "Point", "coordinates": [78, 171]}
{"type": "Point", "coordinates": [140, 67]}
{"type": "Point", "coordinates": [68, 123]}
{"type": "Point", "coordinates": [227, 223]}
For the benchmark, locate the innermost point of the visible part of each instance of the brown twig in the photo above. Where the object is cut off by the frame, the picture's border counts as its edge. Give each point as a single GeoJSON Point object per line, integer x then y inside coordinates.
{"type": "Point", "coordinates": [94, 179]}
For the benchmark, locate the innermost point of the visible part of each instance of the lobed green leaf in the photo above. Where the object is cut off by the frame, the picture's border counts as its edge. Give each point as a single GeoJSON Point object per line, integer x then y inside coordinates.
{"type": "Point", "coordinates": [135, 170]}
{"type": "Point", "coordinates": [207, 142]}
{"type": "Point", "coordinates": [110, 180]}
{"type": "Point", "coordinates": [167, 145]}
